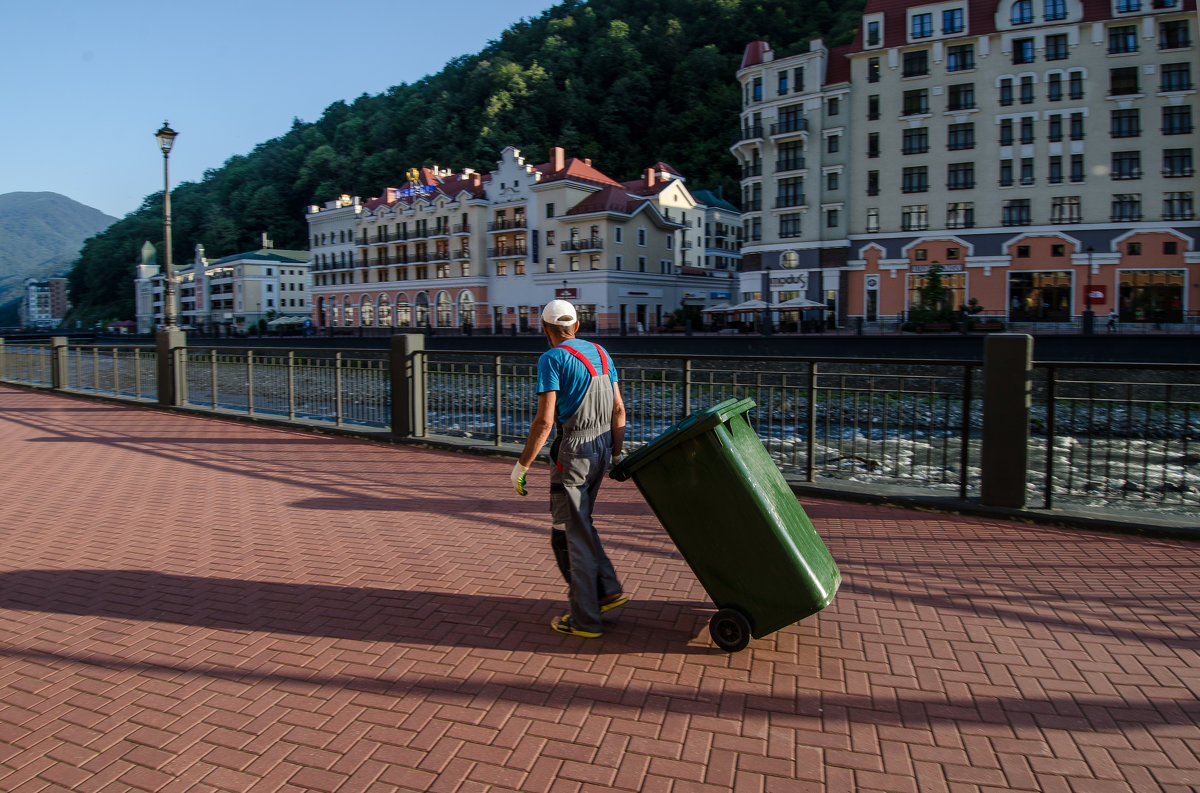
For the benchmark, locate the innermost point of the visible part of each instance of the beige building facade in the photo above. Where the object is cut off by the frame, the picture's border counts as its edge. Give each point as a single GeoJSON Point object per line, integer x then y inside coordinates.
{"type": "Point", "coordinates": [1039, 153]}
{"type": "Point", "coordinates": [484, 252]}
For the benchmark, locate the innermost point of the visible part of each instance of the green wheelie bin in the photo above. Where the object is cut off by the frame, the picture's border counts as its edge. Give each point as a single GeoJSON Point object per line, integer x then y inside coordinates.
{"type": "Point", "coordinates": [736, 522]}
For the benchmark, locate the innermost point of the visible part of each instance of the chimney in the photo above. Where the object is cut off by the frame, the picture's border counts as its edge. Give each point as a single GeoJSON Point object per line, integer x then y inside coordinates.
{"type": "Point", "coordinates": [558, 159]}
{"type": "Point", "coordinates": [588, 162]}
{"type": "Point", "coordinates": [649, 177]}
{"type": "Point", "coordinates": [476, 179]}
{"type": "Point", "coordinates": [266, 241]}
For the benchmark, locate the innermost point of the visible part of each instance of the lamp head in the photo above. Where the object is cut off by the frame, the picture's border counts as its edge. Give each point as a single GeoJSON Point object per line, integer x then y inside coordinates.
{"type": "Point", "coordinates": [166, 138]}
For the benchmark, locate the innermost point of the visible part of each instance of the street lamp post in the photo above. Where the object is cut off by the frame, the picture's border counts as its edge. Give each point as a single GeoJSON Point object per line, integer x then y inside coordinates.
{"type": "Point", "coordinates": [171, 342]}
{"type": "Point", "coordinates": [166, 139]}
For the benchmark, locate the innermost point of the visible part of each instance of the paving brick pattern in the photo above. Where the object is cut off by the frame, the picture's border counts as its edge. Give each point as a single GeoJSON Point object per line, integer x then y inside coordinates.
{"type": "Point", "coordinates": [190, 604]}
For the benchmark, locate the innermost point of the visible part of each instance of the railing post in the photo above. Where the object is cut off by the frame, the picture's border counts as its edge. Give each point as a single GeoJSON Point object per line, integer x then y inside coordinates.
{"type": "Point", "coordinates": [59, 353]}
{"type": "Point", "coordinates": [171, 347]}
{"type": "Point", "coordinates": [1004, 451]}
{"type": "Point", "coordinates": [3, 363]}
{"type": "Point", "coordinates": [408, 385]}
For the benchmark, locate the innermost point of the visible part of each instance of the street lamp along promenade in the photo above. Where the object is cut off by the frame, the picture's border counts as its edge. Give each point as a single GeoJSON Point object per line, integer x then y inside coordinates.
{"type": "Point", "coordinates": [166, 139]}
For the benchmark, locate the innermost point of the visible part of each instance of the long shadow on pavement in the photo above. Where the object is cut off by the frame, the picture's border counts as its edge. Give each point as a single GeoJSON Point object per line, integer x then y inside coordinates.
{"type": "Point", "coordinates": [400, 616]}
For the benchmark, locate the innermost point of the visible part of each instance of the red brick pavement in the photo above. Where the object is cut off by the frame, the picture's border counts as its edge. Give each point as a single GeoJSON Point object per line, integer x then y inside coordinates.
{"type": "Point", "coordinates": [190, 604]}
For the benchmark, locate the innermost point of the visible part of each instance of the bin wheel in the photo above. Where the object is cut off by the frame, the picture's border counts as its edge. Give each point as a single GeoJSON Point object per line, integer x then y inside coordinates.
{"type": "Point", "coordinates": [730, 630]}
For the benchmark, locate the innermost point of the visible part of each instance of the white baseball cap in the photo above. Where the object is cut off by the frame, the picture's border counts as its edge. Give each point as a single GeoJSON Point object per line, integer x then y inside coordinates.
{"type": "Point", "coordinates": [559, 312]}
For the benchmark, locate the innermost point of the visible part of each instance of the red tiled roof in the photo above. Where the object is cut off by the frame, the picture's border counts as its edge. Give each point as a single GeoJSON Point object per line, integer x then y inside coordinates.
{"type": "Point", "coordinates": [981, 18]}
{"type": "Point", "coordinates": [574, 169]}
{"type": "Point", "coordinates": [837, 67]}
{"type": "Point", "coordinates": [449, 186]}
{"type": "Point", "coordinates": [753, 55]}
{"type": "Point", "coordinates": [662, 166]}
{"type": "Point", "coordinates": [638, 186]}
{"type": "Point", "coordinates": [612, 198]}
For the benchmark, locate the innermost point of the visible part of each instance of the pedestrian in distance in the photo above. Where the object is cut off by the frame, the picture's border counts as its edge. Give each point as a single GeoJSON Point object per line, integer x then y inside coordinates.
{"type": "Point", "coordinates": [1112, 320]}
{"type": "Point", "coordinates": [579, 399]}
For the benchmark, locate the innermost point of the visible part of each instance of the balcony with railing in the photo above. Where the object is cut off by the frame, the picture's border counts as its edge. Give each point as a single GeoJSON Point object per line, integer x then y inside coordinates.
{"type": "Point", "coordinates": [752, 170]}
{"type": "Point", "coordinates": [462, 228]}
{"type": "Point", "coordinates": [506, 224]}
{"type": "Point", "coordinates": [789, 164]}
{"type": "Point", "coordinates": [789, 127]}
{"type": "Point", "coordinates": [749, 132]}
{"type": "Point", "coordinates": [500, 251]}
{"type": "Point", "coordinates": [582, 244]}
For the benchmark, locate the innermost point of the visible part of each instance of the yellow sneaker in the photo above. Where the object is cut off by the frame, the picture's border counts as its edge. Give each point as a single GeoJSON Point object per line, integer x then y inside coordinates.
{"type": "Point", "coordinates": [563, 625]}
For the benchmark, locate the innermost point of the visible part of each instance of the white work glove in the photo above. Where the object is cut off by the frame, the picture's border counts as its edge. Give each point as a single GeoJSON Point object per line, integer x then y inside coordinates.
{"type": "Point", "coordinates": [518, 478]}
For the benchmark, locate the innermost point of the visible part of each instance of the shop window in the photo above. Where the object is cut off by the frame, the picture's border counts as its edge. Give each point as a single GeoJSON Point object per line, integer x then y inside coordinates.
{"type": "Point", "coordinates": [1039, 296]}
{"type": "Point", "coordinates": [1151, 295]}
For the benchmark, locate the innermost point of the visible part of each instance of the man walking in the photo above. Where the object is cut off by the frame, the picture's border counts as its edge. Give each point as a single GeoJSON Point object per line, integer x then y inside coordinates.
{"type": "Point", "coordinates": [578, 396]}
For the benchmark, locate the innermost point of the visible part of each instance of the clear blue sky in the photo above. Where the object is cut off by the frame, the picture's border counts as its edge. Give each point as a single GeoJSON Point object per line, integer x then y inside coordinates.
{"type": "Point", "coordinates": [86, 84]}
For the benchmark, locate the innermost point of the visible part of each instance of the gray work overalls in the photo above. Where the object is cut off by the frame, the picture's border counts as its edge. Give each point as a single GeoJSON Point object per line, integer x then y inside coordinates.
{"type": "Point", "coordinates": [581, 454]}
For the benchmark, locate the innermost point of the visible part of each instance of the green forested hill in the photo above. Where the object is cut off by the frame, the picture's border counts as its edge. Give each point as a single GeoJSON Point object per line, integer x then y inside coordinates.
{"type": "Point", "coordinates": [624, 82]}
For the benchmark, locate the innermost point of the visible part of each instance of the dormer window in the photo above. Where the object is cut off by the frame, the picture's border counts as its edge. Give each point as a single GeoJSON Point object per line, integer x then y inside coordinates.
{"type": "Point", "coordinates": [922, 25]}
{"type": "Point", "coordinates": [1126, 6]}
{"type": "Point", "coordinates": [1054, 9]}
{"type": "Point", "coordinates": [1022, 12]}
{"type": "Point", "coordinates": [952, 20]}
{"type": "Point", "coordinates": [872, 34]}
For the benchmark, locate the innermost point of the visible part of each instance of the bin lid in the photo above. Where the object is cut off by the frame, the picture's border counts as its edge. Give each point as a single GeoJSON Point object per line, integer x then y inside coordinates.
{"type": "Point", "coordinates": [688, 427]}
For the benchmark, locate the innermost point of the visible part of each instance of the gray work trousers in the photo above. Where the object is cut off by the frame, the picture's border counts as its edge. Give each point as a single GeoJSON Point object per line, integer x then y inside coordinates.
{"type": "Point", "coordinates": [580, 468]}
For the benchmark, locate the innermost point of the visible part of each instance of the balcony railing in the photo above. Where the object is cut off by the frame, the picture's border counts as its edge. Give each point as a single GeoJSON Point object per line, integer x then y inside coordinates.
{"type": "Point", "coordinates": [502, 225]}
{"type": "Point", "coordinates": [582, 244]}
{"type": "Point", "coordinates": [749, 133]}
{"type": "Point", "coordinates": [789, 126]}
{"type": "Point", "coordinates": [790, 164]}
{"type": "Point", "coordinates": [499, 251]}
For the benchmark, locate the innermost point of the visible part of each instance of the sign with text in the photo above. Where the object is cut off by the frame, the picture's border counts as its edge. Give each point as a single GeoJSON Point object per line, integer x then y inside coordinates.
{"type": "Point", "coordinates": [1095, 292]}
{"type": "Point", "coordinates": [946, 268]}
{"type": "Point", "coordinates": [566, 293]}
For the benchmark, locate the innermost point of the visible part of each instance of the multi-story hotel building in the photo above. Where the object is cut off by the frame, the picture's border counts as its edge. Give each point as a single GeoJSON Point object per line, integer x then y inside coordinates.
{"type": "Point", "coordinates": [229, 295]}
{"type": "Point", "coordinates": [44, 304]}
{"type": "Point", "coordinates": [485, 251]}
{"type": "Point", "coordinates": [1039, 152]}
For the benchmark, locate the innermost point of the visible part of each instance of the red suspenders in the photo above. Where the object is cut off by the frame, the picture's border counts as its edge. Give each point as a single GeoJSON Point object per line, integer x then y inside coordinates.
{"type": "Point", "coordinates": [583, 358]}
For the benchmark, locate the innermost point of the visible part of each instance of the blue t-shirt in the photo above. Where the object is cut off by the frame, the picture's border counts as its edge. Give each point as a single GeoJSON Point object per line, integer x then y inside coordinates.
{"type": "Point", "coordinates": [559, 370]}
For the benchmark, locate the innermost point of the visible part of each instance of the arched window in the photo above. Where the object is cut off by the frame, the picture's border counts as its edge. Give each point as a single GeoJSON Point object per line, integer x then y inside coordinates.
{"type": "Point", "coordinates": [368, 311]}
{"type": "Point", "coordinates": [403, 311]}
{"type": "Point", "coordinates": [322, 318]}
{"type": "Point", "coordinates": [347, 312]}
{"type": "Point", "coordinates": [445, 316]}
{"type": "Point", "coordinates": [421, 316]}
{"type": "Point", "coordinates": [385, 312]}
{"type": "Point", "coordinates": [466, 308]}
{"type": "Point", "coordinates": [1022, 12]}
{"type": "Point", "coordinates": [336, 313]}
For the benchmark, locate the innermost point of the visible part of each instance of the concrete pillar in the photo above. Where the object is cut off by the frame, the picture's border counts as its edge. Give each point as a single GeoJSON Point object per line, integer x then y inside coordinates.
{"type": "Point", "coordinates": [59, 376]}
{"type": "Point", "coordinates": [1007, 389]}
{"type": "Point", "coordinates": [170, 377]}
{"type": "Point", "coordinates": [408, 385]}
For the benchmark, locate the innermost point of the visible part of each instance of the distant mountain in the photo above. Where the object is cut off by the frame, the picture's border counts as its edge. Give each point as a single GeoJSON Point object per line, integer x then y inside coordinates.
{"type": "Point", "coordinates": [40, 237]}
